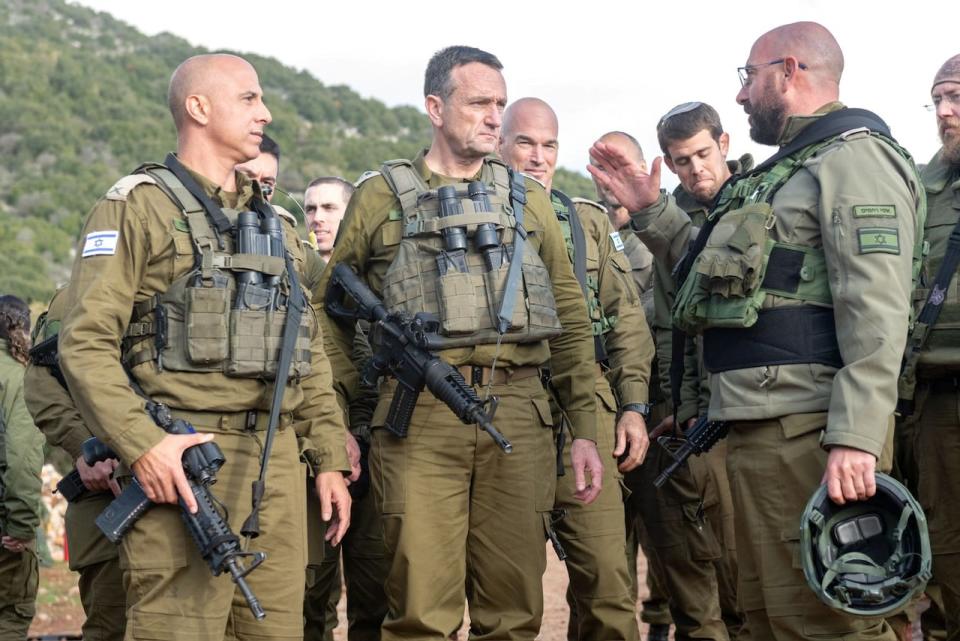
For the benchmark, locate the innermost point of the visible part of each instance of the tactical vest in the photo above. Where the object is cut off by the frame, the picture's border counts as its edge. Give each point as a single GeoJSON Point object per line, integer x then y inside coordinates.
{"type": "Point", "coordinates": [599, 322]}
{"type": "Point", "coordinates": [464, 289]}
{"type": "Point", "coordinates": [941, 344]}
{"type": "Point", "coordinates": [740, 265]}
{"type": "Point", "coordinates": [207, 321]}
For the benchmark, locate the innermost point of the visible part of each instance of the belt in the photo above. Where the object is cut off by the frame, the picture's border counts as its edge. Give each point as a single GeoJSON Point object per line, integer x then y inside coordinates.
{"type": "Point", "coordinates": [797, 334]}
{"type": "Point", "coordinates": [477, 375]}
{"type": "Point", "coordinates": [251, 420]}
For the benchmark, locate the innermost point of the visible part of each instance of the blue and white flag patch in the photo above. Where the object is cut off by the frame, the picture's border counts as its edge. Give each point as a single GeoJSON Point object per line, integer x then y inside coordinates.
{"type": "Point", "coordinates": [100, 243]}
{"type": "Point", "coordinates": [617, 241]}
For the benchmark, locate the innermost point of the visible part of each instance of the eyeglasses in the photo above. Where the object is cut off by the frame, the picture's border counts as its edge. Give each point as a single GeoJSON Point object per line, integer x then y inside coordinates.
{"type": "Point", "coordinates": [676, 111]}
{"type": "Point", "coordinates": [746, 72]}
{"type": "Point", "coordinates": [952, 99]}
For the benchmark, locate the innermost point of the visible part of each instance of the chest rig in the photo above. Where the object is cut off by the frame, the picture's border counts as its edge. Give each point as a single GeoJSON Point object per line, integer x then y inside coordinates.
{"type": "Point", "coordinates": [456, 249]}
{"type": "Point", "coordinates": [740, 264]}
{"type": "Point", "coordinates": [227, 313]}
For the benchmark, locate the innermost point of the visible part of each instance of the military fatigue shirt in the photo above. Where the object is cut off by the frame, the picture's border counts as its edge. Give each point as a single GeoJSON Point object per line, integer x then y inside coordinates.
{"type": "Point", "coordinates": [21, 454]}
{"type": "Point", "coordinates": [151, 252]}
{"type": "Point", "coordinates": [831, 205]}
{"type": "Point", "coordinates": [49, 402]}
{"type": "Point", "coordinates": [942, 351]}
{"type": "Point", "coordinates": [628, 343]}
{"type": "Point", "coordinates": [368, 241]}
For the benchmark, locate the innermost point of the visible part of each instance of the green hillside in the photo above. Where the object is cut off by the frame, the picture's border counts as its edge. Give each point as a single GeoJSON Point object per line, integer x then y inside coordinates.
{"type": "Point", "coordinates": [82, 102]}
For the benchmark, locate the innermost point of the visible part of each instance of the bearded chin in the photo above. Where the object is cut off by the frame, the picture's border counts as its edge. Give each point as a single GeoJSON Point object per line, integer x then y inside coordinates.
{"type": "Point", "coordinates": [767, 124]}
{"type": "Point", "coordinates": [951, 148]}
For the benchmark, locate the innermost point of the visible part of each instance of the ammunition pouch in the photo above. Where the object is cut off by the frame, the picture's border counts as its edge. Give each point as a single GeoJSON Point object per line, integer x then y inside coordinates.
{"type": "Point", "coordinates": [464, 289]}
{"type": "Point", "coordinates": [739, 266]}
{"type": "Point", "coordinates": [213, 319]}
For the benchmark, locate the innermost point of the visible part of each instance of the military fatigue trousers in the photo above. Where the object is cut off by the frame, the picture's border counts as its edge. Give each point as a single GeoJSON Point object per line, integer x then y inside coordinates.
{"type": "Point", "coordinates": [655, 607]}
{"type": "Point", "coordinates": [171, 593]}
{"type": "Point", "coordinates": [937, 446]}
{"type": "Point", "coordinates": [603, 607]}
{"type": "Point", "coordinates": [98, 562]}
{"type": "Point", "coordinates": [688, 522]}
{"type": "Point", "coordinates": [19, 580]}
{"type": "Point", "coordinates": [774, 467]}
{"type": "Point", "coordinates": [364, 565]}
{"type": "Point", "coordinates": [450, 497]}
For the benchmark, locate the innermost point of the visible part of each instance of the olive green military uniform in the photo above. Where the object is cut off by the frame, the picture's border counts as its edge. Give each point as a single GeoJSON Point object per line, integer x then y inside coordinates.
{"type": "Point", "coordinates": [593, 535]}
{"type": "Point", "coordinates": [690, 520]}
{"type": "Point", "coordinates": [91, 554]}
{"type": "Point", "coordinates": [935, 423]}
{"type": "Point", "coordinates": [850, 209]}
{"type": "Point", "coordinates": [447, 490]}
{"type": "Point", "coordinates": [149, 244]}
{"type": "Point", "coordinates": [363, 559]}
{"type": "Point", "coordinates": [655, 607]}
{"type": "Point", "coordinates": [21, 457]}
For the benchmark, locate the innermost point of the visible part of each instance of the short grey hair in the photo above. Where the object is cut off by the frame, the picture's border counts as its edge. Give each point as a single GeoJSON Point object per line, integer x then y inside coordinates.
{"type": "Point", "coordinates": [436, 81]}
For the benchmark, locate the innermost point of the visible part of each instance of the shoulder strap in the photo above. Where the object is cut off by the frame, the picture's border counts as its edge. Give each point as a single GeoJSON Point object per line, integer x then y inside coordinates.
{"type": "Point", "coordinates": [518, 198]}
{"type": "Point", "coordinates": [220, 221]}
{"type": "Point", "coordinates": [405, 183]}
{"type": "Point", "coordinates": [578, 237]}
{"type": "Point", "coordinates": [580, 261]}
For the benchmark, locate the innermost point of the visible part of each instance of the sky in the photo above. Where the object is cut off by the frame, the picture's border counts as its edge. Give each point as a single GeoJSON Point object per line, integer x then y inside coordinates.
{"type": "Point", "coordinates": [603, 65]}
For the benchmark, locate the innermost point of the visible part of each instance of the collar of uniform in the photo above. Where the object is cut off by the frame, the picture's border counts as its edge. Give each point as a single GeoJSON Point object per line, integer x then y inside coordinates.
{"type": "Point", "coordinates": [796, 124]}
{"type": "Point", "coordinates": [233, 200]}
{"type": "Point", "coordinates": [938, 173]}
{"type": "Point", "coordinates": [438, 180]}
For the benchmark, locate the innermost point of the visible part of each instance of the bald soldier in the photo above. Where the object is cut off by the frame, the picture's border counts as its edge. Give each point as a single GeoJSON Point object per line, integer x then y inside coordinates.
{"type": "Point", "coordinates": [798, 409]}
{"type": "Point", "coordinates": [450, 497]}
{"type": "Point", "coordinates": [592, 535]}
{"type": "Point", "coordinates": [155, 296]}
{"type": "Point", "coordinates": [932, 416]}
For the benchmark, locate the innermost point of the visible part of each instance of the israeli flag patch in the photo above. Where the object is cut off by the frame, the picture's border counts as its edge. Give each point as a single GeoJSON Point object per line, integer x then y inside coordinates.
{"type": "Point", "coordinates": [617, 241]}
{"type": "Point", "coordinates": [100, 243]}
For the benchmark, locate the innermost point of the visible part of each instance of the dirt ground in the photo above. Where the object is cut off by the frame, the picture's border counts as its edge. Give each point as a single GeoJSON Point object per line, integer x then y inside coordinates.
{"type": "Point", "coordinates": [59, 610]}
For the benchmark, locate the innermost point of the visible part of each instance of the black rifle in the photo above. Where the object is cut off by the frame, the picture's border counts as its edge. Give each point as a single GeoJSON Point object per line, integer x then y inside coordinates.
{"type": "Point", "coordinates": [701, 436]}
{"type": "Point", "coordinates": [401, 347]}
{"type": "Point", "coordinates": [217, 543]}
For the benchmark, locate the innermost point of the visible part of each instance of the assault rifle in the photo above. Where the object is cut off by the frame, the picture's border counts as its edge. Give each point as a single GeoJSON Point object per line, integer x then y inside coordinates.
{"type": "Point", "coordinates": [217, 543]}
{"type": "Point", "coordinates": [401, 347]}
{"type": "Point", "coordinates": [701, 436]}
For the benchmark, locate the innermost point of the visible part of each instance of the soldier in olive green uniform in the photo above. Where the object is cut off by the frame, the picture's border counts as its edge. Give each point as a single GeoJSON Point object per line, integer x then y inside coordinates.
{"type": "Point", "coordinates": [364, 560]}
{"type": "Point", "coordinates": [21, 457]}
{"type": "Point", "coordinates": [690, 520]}
{"type": "Point", "coordinates": [91, 554]}
{"type": "Point", "coordinates": [603, 606]}
{"type": "Point", "coordinates": [935, 358]}
{"type": "Point", "coordinates": [446, 490]}
{"type": "Point", "coordinates": [189, 311]}
{"type": "Point", "coordinates": [788, 348]}
{"type": "Point", "coordinates": [655, 610]}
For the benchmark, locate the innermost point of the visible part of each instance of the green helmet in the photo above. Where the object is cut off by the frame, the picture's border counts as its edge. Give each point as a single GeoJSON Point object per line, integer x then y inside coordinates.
{"type": "Point", "coordinates": [867, 558]}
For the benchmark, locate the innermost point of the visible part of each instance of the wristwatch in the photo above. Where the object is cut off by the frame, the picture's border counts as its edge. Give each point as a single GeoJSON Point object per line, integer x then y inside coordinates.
{"type": "Point", "coordinates": [641, 408]}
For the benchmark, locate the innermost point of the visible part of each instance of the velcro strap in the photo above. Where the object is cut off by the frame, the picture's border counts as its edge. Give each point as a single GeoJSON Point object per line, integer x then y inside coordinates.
{"type": "Point", "coordinates": [781, 336]}
{"type": "Point", "coordinates": [271, 265]}
{"type": "Point", "coordinates": [456, 220]}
